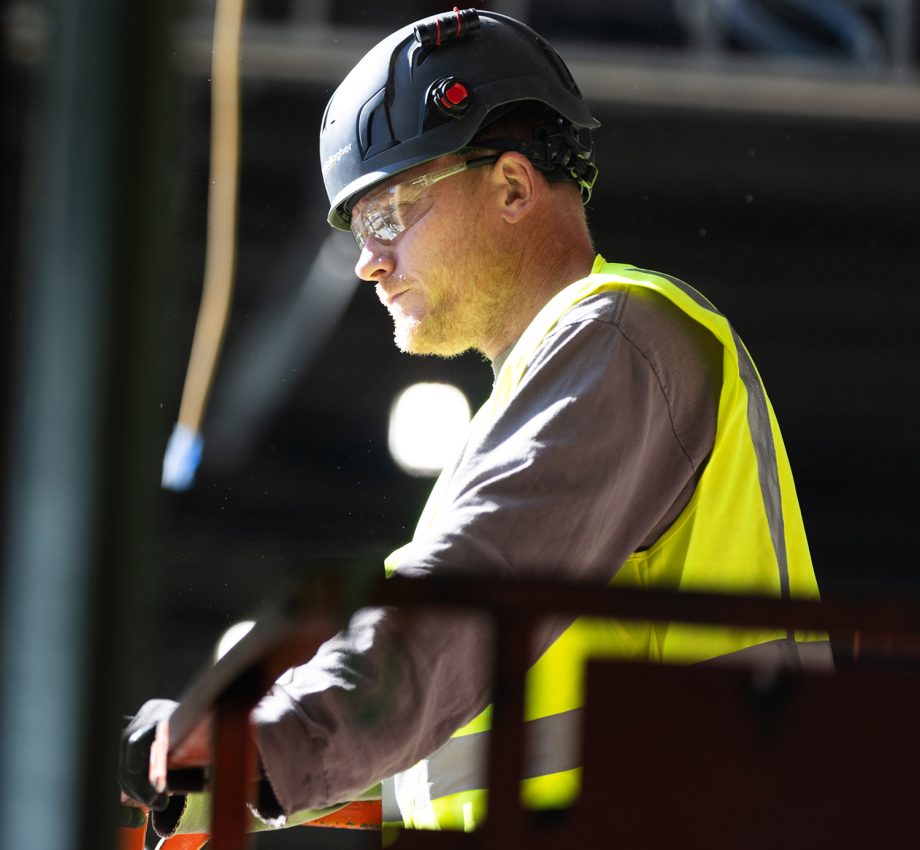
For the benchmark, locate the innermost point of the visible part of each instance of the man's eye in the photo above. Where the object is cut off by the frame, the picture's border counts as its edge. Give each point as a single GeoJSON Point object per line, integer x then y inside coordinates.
{"type": "Point", "coordinates": [406, 214]}
{"type": "Point", "coordinates": [384, 223]}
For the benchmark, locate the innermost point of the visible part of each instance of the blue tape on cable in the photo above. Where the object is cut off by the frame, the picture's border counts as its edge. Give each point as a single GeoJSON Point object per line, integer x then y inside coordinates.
{"type": "Point", "coordinates": [183, 454]}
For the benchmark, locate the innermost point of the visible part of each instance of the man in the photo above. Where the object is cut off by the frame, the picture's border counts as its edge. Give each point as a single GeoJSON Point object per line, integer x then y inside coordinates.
{"type": "Point", "coordinates": [628, 438]}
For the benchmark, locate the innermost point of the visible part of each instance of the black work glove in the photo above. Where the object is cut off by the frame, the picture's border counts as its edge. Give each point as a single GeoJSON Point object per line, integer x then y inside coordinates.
{"type": "Point", "coordinates": [134, 753]}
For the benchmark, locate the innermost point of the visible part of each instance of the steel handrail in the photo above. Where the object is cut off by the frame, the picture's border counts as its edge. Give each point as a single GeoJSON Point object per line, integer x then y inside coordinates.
{"type": "Point", "coordinates": [321, 605]}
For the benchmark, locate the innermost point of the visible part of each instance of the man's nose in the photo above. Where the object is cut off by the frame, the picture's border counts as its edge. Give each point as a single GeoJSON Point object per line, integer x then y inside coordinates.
{"type": "Point", "coordinates": [375, 262]}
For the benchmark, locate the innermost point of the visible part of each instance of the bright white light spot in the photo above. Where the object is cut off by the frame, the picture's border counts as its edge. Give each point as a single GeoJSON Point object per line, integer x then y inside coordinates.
{"type": "Point", "coordinates": [427, 426]}
{"type": "Point", "coordinates": [231, 637]}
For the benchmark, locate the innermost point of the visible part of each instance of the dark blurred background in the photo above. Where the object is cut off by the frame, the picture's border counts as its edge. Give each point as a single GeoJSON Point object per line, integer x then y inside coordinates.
{"type": "Point", "coordinates": [766, 152]}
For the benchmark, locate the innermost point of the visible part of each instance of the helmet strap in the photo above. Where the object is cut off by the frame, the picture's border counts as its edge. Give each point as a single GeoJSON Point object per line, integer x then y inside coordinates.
{"type": "Point", "coordinates": [560, 150]}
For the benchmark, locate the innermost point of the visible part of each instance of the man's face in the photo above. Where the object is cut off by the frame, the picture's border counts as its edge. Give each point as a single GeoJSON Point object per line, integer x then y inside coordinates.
{"type": "Point", "coordinates": [441, 279]}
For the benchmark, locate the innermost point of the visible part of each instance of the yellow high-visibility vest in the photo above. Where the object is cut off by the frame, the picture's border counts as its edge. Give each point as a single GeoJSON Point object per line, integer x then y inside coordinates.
{"type": "Point", "coordinates": [741, 532]}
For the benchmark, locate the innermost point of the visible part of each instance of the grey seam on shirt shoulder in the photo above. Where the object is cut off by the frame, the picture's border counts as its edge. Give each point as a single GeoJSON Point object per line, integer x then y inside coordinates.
{"type": "Point", "coordinates": [619, 304]}
{"type": "Point", "coordinates": [614, 322]}
{"type": "Point", "coordinates": [663, 392]}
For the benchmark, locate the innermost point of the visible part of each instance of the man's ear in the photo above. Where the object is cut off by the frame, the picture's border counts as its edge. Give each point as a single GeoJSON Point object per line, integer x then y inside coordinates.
{"type": "Point", "coordinates": [517, 186]}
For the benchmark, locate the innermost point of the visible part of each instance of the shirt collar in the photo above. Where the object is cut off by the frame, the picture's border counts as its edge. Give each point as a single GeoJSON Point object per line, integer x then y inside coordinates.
{"type": "Point", "coordinates": [500, 359]}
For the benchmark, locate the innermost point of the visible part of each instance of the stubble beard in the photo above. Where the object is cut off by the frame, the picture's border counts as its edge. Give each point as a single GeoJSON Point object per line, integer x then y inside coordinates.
{"type": "Point", "coordinates": [435, 332]}
{"type": "Point", "coordinates": [452, 322]}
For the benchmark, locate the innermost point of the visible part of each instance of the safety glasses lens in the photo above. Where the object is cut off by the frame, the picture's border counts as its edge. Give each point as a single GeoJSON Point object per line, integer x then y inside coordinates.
{"type": "Point", "coordinates": [383, 219]}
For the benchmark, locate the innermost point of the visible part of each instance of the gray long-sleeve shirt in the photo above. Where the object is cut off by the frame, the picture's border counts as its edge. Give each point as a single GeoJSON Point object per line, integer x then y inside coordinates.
{"type": "Point", "coordinates": [596, 454]}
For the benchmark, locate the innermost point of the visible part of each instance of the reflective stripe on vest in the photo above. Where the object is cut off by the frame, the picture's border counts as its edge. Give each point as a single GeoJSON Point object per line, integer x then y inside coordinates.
{"type": "Point", "coordinates": [553, 742]}
{"type": "Point", "coordinates": [740, 532]}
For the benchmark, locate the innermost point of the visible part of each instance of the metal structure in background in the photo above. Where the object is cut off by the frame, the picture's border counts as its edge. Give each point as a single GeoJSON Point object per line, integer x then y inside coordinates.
{"type": "Point", "coordinates": [729, 757]}
{"type": "Point", "coordinates": [727, 55]}
{"type": "Point", "coordinates": [78, 488]}
{"type": "Point", "coordinates": [662, 53]}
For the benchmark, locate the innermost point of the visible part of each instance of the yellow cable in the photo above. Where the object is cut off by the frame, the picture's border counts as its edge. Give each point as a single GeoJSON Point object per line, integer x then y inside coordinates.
{"type": "Point", "coordinates": [222, 206]}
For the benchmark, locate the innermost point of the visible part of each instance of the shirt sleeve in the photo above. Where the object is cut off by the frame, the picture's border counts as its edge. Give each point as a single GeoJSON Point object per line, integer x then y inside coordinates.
{"type": "Point", "coordinates": [599, 446]}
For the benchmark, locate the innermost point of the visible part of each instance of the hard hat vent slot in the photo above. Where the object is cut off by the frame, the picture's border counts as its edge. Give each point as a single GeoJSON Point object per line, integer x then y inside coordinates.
{"type": "Point", "coordinates": [374, 130]}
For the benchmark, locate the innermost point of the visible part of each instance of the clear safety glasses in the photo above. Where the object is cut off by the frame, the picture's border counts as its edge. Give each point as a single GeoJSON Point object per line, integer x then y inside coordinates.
{"type": "Point", "coordinates": [388, 213]}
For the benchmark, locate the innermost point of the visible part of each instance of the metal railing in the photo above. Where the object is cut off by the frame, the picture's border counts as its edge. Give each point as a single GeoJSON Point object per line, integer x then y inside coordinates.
{"type": "Point", "coordinates": [881, 628]}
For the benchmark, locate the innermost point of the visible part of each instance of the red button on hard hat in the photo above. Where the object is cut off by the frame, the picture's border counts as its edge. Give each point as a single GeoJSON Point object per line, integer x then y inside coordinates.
{"type": "Point", "coordinates": [457, 93]}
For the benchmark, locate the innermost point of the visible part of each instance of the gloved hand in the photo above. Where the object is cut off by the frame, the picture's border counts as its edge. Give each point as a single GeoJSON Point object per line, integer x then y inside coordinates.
{"type": "Point", "coordinates": [134, 753]}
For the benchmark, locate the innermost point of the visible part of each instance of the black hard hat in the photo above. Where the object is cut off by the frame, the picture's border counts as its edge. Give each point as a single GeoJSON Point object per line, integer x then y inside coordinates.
{"type": "Point", "coordinates": [425, 91]}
